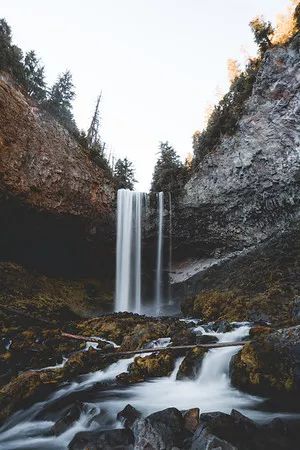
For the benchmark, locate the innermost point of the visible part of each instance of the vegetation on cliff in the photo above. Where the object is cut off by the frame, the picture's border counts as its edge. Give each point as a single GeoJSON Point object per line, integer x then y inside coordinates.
{"type": "Point", "coordinates": [226, 114]}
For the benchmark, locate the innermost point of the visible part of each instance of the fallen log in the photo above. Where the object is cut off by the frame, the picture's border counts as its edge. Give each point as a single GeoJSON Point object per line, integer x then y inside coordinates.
{"type": "Point", "coordinates": [82, 338]}
{"type": "Point", "coordinates": [177, 347]}
{"type": "Point", "coordinates": [157, 349]}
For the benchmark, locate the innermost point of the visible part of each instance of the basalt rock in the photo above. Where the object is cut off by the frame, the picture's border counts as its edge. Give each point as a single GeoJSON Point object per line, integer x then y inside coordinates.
{"type": "Point", "coordinates": [243, 195]}
{"type": "Point", "coordinates": [56, 203]}
{"type": "Point", "coordinates": [162, 430]}
{"type": "Point", "coordinates": [119, 439]}
{"type": "Point", "coordinates": [269, 364]}
{"type": "Point", "coordinates": [248, 187]}
{"type": "Point", "coordinates": [128, 416]}
{"type": "Point", "coordinates": [156, 365]}
{"type": "Point", "coordinates": [190, 366]}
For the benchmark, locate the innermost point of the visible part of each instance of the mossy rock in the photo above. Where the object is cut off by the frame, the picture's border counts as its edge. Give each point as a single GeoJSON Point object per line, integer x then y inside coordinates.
{"type": "Point", "coordinates": [27, 388]}
{"type": "Point", "coordinates": [232, 305]}
{"type": "Point", "coordinates": [156, 365]}
{"type": "Point", "coordinates": [190, 366]}
{"type": "Point", "coordinates": [269, 365]}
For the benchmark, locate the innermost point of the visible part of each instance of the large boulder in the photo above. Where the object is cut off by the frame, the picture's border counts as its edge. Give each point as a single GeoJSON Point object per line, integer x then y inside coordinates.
{"type": "Point", "coordinates": [191, 364]}
{"type": "Point", "coordinates": [270, 364]}
{"type": "Point", "coordinates": [162, 430]}
{"type": "Point", "coordinates": [119, 439]}
{"type": "Point", "coordinates": [143, 367]}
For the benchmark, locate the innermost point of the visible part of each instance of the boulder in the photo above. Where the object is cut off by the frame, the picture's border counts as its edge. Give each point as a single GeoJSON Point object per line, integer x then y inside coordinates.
{"type": "Point", "coordinates": [190, 366]}
{"type": "Point", "coordinates": [119, 439]}
{"type": "Point", "coordinates": [270, 364]}
{"type": "Point", "coordinates": [191, 419]}
{"type": "Point", "coordinates": [204, 440]}
{"type": "Point", "coordinates": [68, 419]}
{"type": "Point", "coordinates": [128, 416]}
{"type": "Point", "coordinates": [162, 430]}
{"type": "Point", "coordinates": [156, 365]}
{"type": "Point", "coordinates": [206, 339]}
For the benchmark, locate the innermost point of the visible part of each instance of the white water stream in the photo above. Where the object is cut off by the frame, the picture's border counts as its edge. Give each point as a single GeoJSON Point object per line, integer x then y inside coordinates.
{"type": "Point", "coordinates": [131, 207]}
{"type": "Point", "coordinates": [210, 391]}
{"type": "Point", "coordinates": [158, 287]}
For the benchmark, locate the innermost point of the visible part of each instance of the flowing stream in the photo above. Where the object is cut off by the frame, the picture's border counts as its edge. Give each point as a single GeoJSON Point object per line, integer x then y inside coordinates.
{"type": "Point", "coordinates": [210, 391]}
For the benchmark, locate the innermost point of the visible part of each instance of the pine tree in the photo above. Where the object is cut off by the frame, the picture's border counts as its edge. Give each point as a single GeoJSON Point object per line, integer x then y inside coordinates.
{"type": "Point", "coordinates": [124, 174]}
{"type": "Point", "coordinates": [169, 172]}
{"type": "Point", "coordinates": [10, 55]}
{"type": "Point", "coordinates": [60, 99]}
{"type": "Point", "coordinates": [34, 76]}
{"type": "Point", "coordinates": [262, 33]}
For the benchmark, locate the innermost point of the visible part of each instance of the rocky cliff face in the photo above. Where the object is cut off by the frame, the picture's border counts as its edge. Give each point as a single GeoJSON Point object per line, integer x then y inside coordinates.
{"type": "Point", "coordinates": [247, 190]}
{"type": "Point", "coordinates": [249, 187]}
{"type": "Point", "coordinates": [56, 203]}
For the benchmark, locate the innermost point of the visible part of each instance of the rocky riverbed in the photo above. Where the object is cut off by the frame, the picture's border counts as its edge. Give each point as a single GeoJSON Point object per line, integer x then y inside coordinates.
{"type": "Point", "coordinates": [60, 393]}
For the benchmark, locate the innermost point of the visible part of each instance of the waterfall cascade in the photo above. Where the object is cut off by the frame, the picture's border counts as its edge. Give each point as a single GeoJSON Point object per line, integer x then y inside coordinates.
{"type": "Point", "coordinates": [128, 266]}
{"type": "Point", "coordinates": [158, 287]}
{"type": "Point", "coordinates": [131, 208]}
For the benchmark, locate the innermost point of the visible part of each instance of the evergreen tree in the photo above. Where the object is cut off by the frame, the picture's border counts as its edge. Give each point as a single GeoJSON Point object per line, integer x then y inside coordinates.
{"type": "Point", "coordinates": [60, 99]}
{"type": "Point", "coordinates": [262, 33]}
{"type": "Point", "coordinates": [10, 55]}
{"type": "Point", "coordinates": [34, 76]}
{"type": "Point", "coordinates": [169, 172]}
{"type": "Point", "coordinates": [124, 174]}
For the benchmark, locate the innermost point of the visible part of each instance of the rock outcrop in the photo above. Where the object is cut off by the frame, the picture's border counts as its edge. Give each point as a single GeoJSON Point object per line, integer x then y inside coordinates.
{"type": "Point", "coordinates": [246, 192]}
{"type": "Point", "coordinates": [54, 199]}
{"type": "Point", "coordinates": [270, 364]}
{"type": "Point", "coordinates": [248, 188]}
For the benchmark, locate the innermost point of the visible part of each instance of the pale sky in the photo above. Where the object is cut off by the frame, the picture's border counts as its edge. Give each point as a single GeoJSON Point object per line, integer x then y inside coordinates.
{"type": "Point", "coordinates": [157, 62]}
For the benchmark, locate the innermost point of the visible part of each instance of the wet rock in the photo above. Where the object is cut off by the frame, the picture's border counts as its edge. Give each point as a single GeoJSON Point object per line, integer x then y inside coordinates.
{"type": "Point", "coordinates": [156, 365]}
{"type": "Point", "coordinates": [27, 388]}
{"type": "Point", "coordinates": [204, 440]}
{"type": "Point", "coordinates": [162, 430]}
{"type": "Point", "coordinates": [133, 331]}
{"type": "Point", "coordinates": [191, 419]}
{"type": "Point", "coordinates": [223, 326]}
{"type": "Point", "coordinates": [258, 330]}
{"type": "Point", "coordinates": [119, 439]}
{"type": "Point", "coordinates": [270, 364]}
{"type": "Point", "coordinates": [128, 416]}
{"type": "Point", "coordinates": [190, 366]}
{"type": "Point", "coordinates": [84, 362]}
{"type": "Point", "coordinates": [206, 339]}
{"type": "Point", "coordinates": [296, 309]}
{"type": "Point", "coordinates": [241, 433]}
{"type": "Point", "coordinates": [68, 419]}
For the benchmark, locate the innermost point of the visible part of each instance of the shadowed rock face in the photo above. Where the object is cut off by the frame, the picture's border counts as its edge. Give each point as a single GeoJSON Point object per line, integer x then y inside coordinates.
{"type": "Point", "coordinates": [56, 203]}
{"type": "Point", "coordinates": [248, 188]}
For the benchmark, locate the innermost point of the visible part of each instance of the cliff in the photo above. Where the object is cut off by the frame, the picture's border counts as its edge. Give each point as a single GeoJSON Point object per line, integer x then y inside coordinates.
{"type": "Point", "coordinates": [248, 188]}
{"type": "Point", "coordinates": [56, 203]}
{"type": "Point", "coordinates": [247, 191]}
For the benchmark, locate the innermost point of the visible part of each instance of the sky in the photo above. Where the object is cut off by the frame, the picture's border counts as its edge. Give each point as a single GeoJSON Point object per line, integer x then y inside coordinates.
{"type": "Point", "coordinates": [158, 63]}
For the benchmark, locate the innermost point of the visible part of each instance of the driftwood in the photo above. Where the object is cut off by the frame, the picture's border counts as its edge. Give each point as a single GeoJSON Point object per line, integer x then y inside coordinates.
{"type": "Point", "coordinates": [177, 347]}
{"type": "Point", "coordinates": [82, 338]}
{"type": "Point", "coordinates": [157, 349]}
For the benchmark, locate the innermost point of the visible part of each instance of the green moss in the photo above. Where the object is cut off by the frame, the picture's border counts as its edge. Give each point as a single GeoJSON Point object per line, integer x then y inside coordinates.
{"type": "Point", "coordinates": [156, 365]}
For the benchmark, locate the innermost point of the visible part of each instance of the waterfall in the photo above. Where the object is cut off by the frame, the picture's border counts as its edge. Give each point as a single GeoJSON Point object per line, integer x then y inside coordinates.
{"type": "Point", "coordinates": [128, 264]}
{"type": "Point", "coordinates": [131, 208]}
{"type": "Point", "coordinates": [170, 249]}
{"type": "Point", "coordinates": [158, 287]}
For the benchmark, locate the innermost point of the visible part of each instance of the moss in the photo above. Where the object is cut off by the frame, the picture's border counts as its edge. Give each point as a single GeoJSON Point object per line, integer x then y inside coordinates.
{"type": "Point", "coordinates": [231, 305]}
{"type": "Point", "coordinates": [51, 298]}
{"type": "Point", "coordinates": [156, 365]}
{"type": "Point", "coordinates": [264, 368]}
